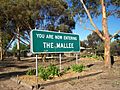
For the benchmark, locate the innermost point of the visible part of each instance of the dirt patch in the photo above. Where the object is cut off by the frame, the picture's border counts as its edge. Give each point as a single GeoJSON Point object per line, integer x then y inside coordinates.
{"type": "Point", "coordinates": [96, 77]}
{"type": "Point", "coordinates": [31, 80]}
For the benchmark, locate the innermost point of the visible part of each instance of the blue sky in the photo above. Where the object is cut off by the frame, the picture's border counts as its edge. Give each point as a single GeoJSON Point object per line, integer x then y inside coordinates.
{"type": "Point", "coordinates": [113, 26]}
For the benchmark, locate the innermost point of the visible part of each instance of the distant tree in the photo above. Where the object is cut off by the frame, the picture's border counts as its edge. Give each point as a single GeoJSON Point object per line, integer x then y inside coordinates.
{"type": "Point", "coordinates": [22, 48]}
{"type": "Point", "coordinates": [94, 40]}
{"type": "Point", "coordinates": [117, 38]}
{"type": "Point", "coordinates": [115, 48]}
{"type": "Point", "coordinates": [84, 43]}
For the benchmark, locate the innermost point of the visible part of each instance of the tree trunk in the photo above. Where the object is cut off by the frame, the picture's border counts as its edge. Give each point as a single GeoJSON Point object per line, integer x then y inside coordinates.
{"type": "Point", "coordinates": [107, 53]}
{"type": "Point", "coordinates": [18, 44]}
{"type": "Point", "coordinates": [1, 51]}
{"type": "Point", "coordinates": [106, 36]}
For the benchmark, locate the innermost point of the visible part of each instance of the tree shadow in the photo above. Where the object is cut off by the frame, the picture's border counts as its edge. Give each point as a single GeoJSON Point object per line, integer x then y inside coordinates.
{"type": "Point", "coordinates": [8, 75]}
{"type": "Point", "coordinates": [90, 65]}
{"type": "Point", "coordinates": [22, 67]}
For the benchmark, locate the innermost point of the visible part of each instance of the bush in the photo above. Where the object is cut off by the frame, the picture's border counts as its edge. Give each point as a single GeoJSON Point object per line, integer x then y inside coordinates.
{"type": "Point", "coordinates": [31, 72]}
{"type": "Point", "coordinates": [97, 57]}
{"type": "Point", "coordinates": [92, 56]}
{"type": "Point", "coordinates": [50, 71]}
{"type": "Point", "coordinates": [77, 67]}
{"type": "Point", "coordinates": [42, 72]}
{"type": "Point", "coordinates": [66, 69]}
{"type": "Point", "coordinates": [53, 70]}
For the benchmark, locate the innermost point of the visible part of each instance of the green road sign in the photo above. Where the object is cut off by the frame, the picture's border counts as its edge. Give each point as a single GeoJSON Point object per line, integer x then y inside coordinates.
{"type": "Point", "coordinates": [53, 42]}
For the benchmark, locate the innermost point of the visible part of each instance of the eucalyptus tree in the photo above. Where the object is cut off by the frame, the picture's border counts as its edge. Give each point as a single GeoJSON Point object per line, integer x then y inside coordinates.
{"type": "Point", "coordinates": [17, 15]}
{"type": "Point", "coordinates": [94, 8]}
{"type": "Point", "coordinates": [21, 15]}
{"type": "Point", "coordinates": [4, 36]}
{"type": "Point", "coordinates": [54, 15]}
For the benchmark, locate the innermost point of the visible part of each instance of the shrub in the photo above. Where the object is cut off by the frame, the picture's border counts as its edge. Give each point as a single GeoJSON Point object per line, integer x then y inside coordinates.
{"type": "Point", "coordinates": [31, 72]}
{"type": "Point", "coordinates": [42, 72]}
{"type": "Point", "coordinates": [66, 69]}
{"type": "Point", "coordinates": [50, 71]}
{"type": "Point", "coordinates": [97, 57]}
{"type": "Point", "coordinates": [53, 70]}
{"type": "Point", "coordinates": [77, 67]}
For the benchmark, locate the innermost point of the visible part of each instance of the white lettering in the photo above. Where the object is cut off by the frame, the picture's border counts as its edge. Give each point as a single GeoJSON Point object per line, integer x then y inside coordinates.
{"type": "Point", "coordinates": [70, 38]}
{"type": "Point", "coordinates": [57, 45]}
{"type": "Point", "coordinates": [49, 36]}
{"type": "Point", "coordinates": [64, 45]}
{"type": "Point", "coordinates": [58, 37]}
{"type": "Point", "coordinates": [47, 45]}
{"type": "Point", "coordinates": [40, 35]}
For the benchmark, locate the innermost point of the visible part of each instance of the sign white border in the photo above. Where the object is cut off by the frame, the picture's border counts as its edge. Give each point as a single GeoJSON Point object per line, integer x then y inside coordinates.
{"type": "Point", "coordinates": [31, 38]}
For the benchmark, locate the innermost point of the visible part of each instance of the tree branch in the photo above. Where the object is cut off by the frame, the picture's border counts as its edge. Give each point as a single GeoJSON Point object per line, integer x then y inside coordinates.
{"type": "Point", "coordinates": [115, 34]}
{"type": "Point", "coordinates": [91, 21]}
{"type": "Point", "coordinates": [112, 12]}
{"type": "Point", "coordinates": [89, 29]}
{"type": "Point", "coordinates": [88, 13]}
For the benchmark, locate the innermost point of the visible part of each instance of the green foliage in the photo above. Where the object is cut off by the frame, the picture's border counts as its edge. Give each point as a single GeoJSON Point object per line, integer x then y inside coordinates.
{"type": "Point", "coordinates": [77, 67]}
{"type": "Point", "coordinates": [43, 73]}
{"type": "Point", "coordinates": [97, 57]}
{"type": "Point", "coordinates": [100, 57]}
{"type": "Point", "coordinates": [22, 47]}
{"type": "Point", "coordinates": [84, 43]}
{"type": "Point", "coordinates": [117, 38]}
{"type": "Point", "coordinates": [50, 14]}
{"type": "Point", "coordinates": [53, 70]}
{"type": "Point", "coordinates": [94, 7]}
{"type": "Point", "coordinates": [100, 49]}
{"type": "Point", "coordinates": [94, 40]}
{"type": "Point", "coordinates": [50, 71]}
{"type": "Point", "coordinates": [115, 48]}
{"type": "Point", "coordinates": [31, 72]}
{"type": "Point", "coordinates": [66, 69]}
{"type": "Point", "coordinates": [24, 13]}
{"type": "Point", "coordinates": [5, 39]}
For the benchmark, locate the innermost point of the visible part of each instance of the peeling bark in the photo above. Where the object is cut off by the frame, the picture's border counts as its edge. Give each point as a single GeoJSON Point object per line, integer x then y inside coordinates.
{"type": "Point", "coordinates": [106, 35]}
{"type": "Point", "coordinates": [107, 53]}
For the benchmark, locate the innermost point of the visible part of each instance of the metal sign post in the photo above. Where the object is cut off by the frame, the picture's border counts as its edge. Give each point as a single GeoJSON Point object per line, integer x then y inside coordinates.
{"type": "Point", "coordinates": [36, 66]}
{"type": "Point", "coordinates": [60, 62]}
{"type": "Point", "coordinates": [53, 42]}
{"type": "Point", "coordinates": [36, 72]}
{"type": "Point", "coordinates": [76, 58]}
